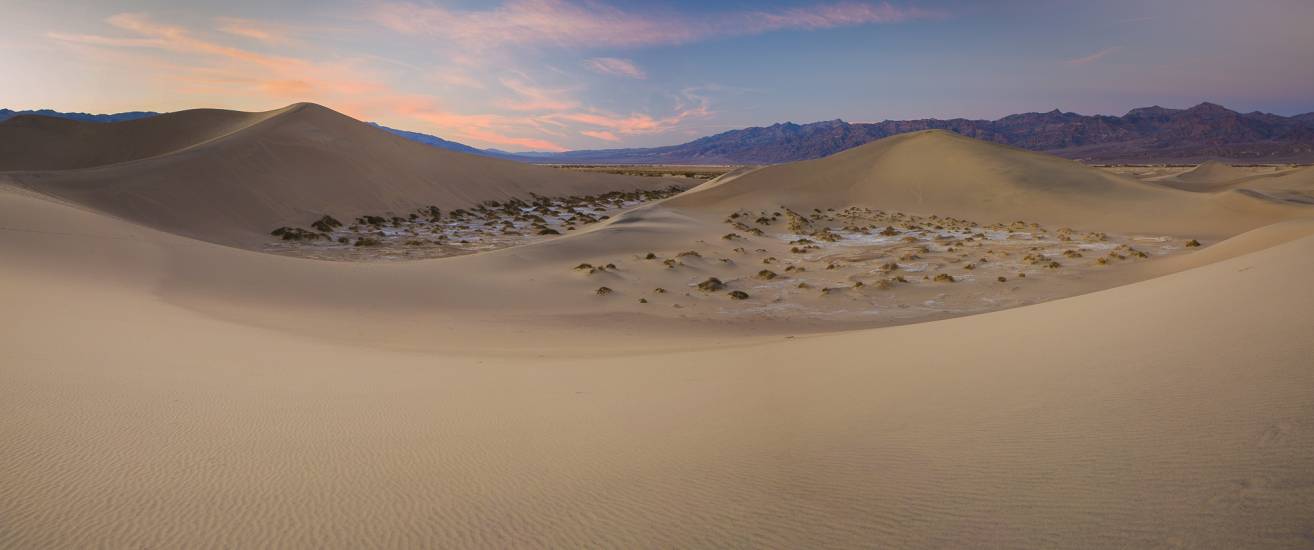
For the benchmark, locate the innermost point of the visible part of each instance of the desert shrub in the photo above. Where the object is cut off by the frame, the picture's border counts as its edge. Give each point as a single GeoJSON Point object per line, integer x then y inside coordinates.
{"type": "Point", "coordinates": [368, 241]}
{"type": "Point", "coordinates": [650, 256]}
{"type": "Point", "coordinates": [731, 236]}
{"type": "Point", "coordinates": [1102, 261]}
{"type": "Point", "coordinates": [611, 266]}
{"type": "Point", "coordinates": [643, 300]}
{"type": "Point", "coordinates": [690, 253]}
{"type": "Point", "coordinates": [295, 234]}
{"type": "Point", "coordinates": [584, 267]}
{"type": "Point", "coordinates": [326, 224]}
{"type": "Point", "coordinates": [1002, 279]}
{"type": "Point", "coordinates": [344, 240]}
{"type": "Point", "coordinates": [804, 285]}
{"type": "Point", "coordinates": [738, 295]}
{"type": "Point", "coordinates": [603, 291]}
{"type": "Point", "coordinates": [1192, 243]}
{"type": "Point", "coordinates": [415, 242]}
{"type": "Point", "coordinates": [1053, 265]}
{"type": "Point", "coordinates": [712, 284]}
{"type": "Point", "coordinates": [549, 231]}
{"type": "Point", "coordinates": [944, 278]}
{"type": "Point", "coordinates": [766, 274]}
{"type": "Point", "coordinates": [659, 290]}
{"type": "Point", "coordinates": [969, 267]}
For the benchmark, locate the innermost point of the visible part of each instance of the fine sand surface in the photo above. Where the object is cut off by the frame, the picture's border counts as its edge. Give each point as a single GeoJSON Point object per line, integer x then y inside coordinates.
{"type": "Point", "coordinates": [164, 391]}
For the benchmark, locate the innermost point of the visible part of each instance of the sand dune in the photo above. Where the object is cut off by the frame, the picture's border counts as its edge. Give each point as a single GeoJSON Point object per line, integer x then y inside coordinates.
{"type": "Point", "coordinates": [162, 391]}
{"type": "Point", "coordinates": [1081, 422]}
{"type": "Point", "coordinates": [948, 174]}
{"type": "Point", "coordinates": [231, 177]}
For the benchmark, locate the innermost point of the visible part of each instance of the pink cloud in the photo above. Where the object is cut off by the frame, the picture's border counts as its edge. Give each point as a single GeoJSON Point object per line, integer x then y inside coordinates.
{"type": "Point", "coordinates": [566, 23]}
{"type": "Point", "coordinates": [535, 98]}
{"type": "Point", "coordinates": [255, 30]}
{"type": "Point", "coordinates": [600, 134]}
{"type": "Point", "coordinates": [209, 67]}
{"type": "Point", "coordinates": [615, 66]}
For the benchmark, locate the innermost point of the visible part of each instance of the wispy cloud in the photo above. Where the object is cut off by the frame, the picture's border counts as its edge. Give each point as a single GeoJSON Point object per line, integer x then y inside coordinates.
{"type": "Point", "coordinates": [601, 134]}
{"type": "Point", "coordinates": [531, 97]}
{"type": "Point", "coordinates": [615, 66]}
{"type": "Point", "coordinates": [254, 30]}
{"type": "Point", "coordinates": [566, 23]}
{"type": "Point", "coordinates": [1092, 57]}
{"type": "Point", "coordinates": [199, 65]}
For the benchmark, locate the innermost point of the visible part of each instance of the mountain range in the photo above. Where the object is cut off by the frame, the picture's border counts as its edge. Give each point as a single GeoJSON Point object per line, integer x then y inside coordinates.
{"type": "Point", "coordinates": [1143, 135]}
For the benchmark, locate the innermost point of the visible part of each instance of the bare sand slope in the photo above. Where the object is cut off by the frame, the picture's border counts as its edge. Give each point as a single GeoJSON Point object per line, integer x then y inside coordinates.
{"type": "Point", "coordinates": [1214, 176]}
{"type": "Point", "coordinates": [1293, 187]}
{"type": "Point", "coordinates": [231, 178]}
{"type": "Point", "coordinates": [1174, 412]}
{"type": "Point", "coordinates": [938, 172]}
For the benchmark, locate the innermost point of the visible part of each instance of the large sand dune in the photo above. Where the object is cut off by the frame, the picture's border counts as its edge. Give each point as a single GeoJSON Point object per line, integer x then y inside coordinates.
{"type": "Point", "coordinates": [942, 172]}
{"type": "Point", "coordinates": [161, 391]}
{"type": "Point", "coordinates": [231, 177]}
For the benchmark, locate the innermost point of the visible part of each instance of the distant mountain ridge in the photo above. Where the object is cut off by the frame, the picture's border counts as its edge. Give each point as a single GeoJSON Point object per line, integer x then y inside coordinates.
{"type": "Point", "coordinates": [6, 114]}
{"type": "Point", "coordinates": [1147, 134]}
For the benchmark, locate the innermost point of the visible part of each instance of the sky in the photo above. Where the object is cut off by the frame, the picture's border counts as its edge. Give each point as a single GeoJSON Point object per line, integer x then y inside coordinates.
{"type": "Point", "coordinates": [552, 75]}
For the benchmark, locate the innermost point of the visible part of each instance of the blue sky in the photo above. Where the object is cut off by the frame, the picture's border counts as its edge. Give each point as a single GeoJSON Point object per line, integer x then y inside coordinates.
{"type": "Point", "coordinates": [572, 74]}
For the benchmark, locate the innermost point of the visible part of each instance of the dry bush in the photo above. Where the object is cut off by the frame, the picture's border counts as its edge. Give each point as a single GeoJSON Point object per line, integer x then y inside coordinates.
{"type": "Point", "coordinates": [603, 291]}
{"type": "Point", "coordinates": [712, 284]}
{"type": "Point", "coordinates": [1192, 243]}
{"type": "Point", "coordinates": [326, 224]}
{"type": "Point", "coordinates": [944, 278]}
{"type": "Point", "coordinates": [738, 295]}
{"type": "Point", "coordinates": [766, 274]}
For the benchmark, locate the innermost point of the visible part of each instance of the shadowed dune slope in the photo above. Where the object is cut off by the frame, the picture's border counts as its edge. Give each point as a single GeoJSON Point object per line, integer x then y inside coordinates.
{"type": "Point", "coordinates": [131, 419]}
{"type": "Point", "coordinates": [32, 142]}
{"type": "Point", "coordinates": [938, 172]}
{"type": "Point", "coordinates": [230, 177]}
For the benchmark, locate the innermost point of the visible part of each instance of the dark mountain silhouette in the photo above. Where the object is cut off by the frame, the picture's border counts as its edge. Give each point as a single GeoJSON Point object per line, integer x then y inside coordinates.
{"type": "Point", "coordinates": [6, 114]}
{"type": "Point", "coordinates": [1148, 134]}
